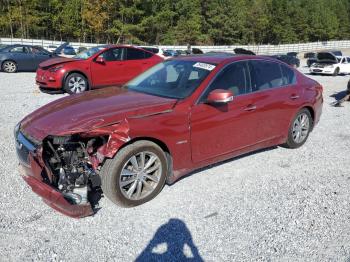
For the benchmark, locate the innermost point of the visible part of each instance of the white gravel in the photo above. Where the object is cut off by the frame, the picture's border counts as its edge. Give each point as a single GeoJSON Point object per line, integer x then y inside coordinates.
{"type": "Point", "coordinates": [289, 205]}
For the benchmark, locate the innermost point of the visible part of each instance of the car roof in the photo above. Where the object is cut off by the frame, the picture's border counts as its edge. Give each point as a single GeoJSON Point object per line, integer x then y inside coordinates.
{"type": "Point", "coordinates": [218, 58]}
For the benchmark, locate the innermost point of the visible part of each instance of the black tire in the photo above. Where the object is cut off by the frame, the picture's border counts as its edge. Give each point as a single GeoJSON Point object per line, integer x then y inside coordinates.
{"type": "Point", "coordinates": [9, 66]}
{"type": "Point", "coordinates": [291, 143]}
{"type": "Point", "coordinates": [336, 71]}
{"type": "Point", "coordinates": [81, 86]}
{"type": "Point", "coordinates": [112, 168]}
{"type": "Point", "coordinates": [348, 89]}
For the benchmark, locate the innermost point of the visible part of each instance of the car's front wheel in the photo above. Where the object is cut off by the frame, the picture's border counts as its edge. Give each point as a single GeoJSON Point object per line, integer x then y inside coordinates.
{"type": "Point", "coordinates": [300, 129]}
{"type": "Point", "coordinates": [336, 71]}
{"type": "Point", "coordinates": [135, 175]}
{"type": "Point", "coordinates": [75, 83]}
{"type": "Point", "coordinates": [9, 66]}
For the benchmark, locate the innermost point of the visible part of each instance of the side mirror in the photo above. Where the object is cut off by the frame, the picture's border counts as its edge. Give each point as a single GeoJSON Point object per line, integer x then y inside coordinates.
{"type": "Point", "coordinates": [100, 60]}
{"type": "Point", "coordinates": [220, 96]}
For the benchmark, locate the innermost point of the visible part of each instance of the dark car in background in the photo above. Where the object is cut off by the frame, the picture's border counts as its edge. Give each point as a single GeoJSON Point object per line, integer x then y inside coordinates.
{"type": "Point", "coordinates": [290, 60]}
{"type": "Point", "coordinates": [311, 58]}
{"type": "Point", "coordinates": [337, 53]}
{"type": "Point", "coordinates": [294, 54]}
{"type": "Point", "coordinates": [242, 51]}
{"type": "Point", "coordinates": [65, 50]}
{"type": "Point", "coordinates": [17, 57]}
{"type": "Point", "coordinates": [309, 55]}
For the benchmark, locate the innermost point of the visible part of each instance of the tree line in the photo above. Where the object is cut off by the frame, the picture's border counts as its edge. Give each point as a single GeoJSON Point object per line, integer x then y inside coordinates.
{"type": "Point", "coordinates": [168, 22]}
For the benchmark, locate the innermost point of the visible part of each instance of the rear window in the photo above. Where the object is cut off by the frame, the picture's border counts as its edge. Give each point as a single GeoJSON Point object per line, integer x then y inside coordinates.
{"type": "Point", "coordinates": [135, 54]}
{"type": "Point", "coordinates": [265, 75]}
{"type": "Point", "coordinates": [151, 49]}
{"type": "Point", "coordinates": [289, 77]}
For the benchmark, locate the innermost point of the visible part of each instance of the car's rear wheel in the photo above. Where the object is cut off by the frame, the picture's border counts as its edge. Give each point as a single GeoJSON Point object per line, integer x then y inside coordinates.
{"type": "Point", "coordinates": [76, 83]}
{"type": "Point", "coordinates": [135, 175]}
{"type": "Point", "coordinates": [300, 129]}
{"type": "Point", "coordinates": [9, 66]}
{"type": "Point", "coordinates": [336, 71]}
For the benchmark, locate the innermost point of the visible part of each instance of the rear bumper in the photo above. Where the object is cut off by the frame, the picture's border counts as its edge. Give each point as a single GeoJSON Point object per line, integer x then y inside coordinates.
{"type": "Point", "coordinates": [33, 173]}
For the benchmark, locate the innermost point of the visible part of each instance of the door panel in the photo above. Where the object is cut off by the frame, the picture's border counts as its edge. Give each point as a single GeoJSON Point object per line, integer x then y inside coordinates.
{"type": "Point", "coordinates": [217, 130]}
{"type": "Point", "coordinates": [137, 61]}
{"type": "Point", "coordinates": [22, 57]}
{"type": "Point", "coordinates": [38, 55]}
{"type": "Point", "coordinates": [111, 71]}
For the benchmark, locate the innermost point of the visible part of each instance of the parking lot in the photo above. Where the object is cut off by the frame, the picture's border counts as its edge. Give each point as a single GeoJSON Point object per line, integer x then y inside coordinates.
{"type": "Point", "coordinates": [278, 204]}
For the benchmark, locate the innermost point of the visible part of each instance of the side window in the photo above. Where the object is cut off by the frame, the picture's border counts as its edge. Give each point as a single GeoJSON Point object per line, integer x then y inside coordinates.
{"type": "Point", "coordinates": [265, 75]}
{"type": "Point", "coordinates": [115, 54]}
{"type": "Point", "coordinates": [134, 54]}
{"type": "Point", "coordinates": [289, 77]}
{"type": "Point", "coordinates": [18, 49]}
{"type": "Point", "coordinates": [348, 59]}
{"type": "Point", "coordinates": [234, 77]}
{"type": "Point", "coordinates": [148, 54]}
{"type": "Point", "coordinates": [37, 51]}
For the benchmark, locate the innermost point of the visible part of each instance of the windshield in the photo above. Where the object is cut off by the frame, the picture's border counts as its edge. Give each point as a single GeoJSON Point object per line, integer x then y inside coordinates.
{"type": "Point", "coordinates": [337, 53]}
{"type": "Point", "coordinates": [173, 79]}
{"type": "Point", "coordinates": [90, 52]}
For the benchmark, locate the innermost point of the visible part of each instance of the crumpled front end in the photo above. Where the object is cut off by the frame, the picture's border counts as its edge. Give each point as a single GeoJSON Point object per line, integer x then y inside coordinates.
{"type": "Point", "coordinates": [64, 169]}
{"type": "Point", "coordinates": [59, 170]}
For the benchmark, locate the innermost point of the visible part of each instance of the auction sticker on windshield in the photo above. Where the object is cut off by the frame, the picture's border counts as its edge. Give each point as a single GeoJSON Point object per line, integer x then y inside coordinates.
{"type": "Point", "coordinates": [204, 66]}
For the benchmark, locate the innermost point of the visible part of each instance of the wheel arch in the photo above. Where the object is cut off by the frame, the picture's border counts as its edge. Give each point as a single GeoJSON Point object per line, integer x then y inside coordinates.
{"type": "Point", "coordinates": [77, 72]}
{"type": "Point", "coordinates": [159, 143]}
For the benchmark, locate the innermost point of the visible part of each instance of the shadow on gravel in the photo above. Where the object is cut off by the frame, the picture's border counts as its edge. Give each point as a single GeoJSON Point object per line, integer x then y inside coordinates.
{"type": "Point", "coordinates": [224, 162]}
{"type": "Point", "coordinates": [171, 242]}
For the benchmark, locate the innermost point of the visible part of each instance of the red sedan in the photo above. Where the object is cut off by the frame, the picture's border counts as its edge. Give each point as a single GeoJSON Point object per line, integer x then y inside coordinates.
{"type": "Point", "coordinates": [96, 67]}
{"type": "Point", "coordinates": [176, 117]}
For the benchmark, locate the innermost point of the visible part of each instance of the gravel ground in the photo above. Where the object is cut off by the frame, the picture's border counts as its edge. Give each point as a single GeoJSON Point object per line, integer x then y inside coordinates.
{"type": "Point", "coordinates": [280, 204]}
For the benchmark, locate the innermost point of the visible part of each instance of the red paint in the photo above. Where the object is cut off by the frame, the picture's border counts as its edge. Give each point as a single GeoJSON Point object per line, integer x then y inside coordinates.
{"type": "Point", "coordinates": [51, 196]}
{"type": "Point", "coordinates": [98, 71]}
{"type": "Point", "coordinates": [196, 134]}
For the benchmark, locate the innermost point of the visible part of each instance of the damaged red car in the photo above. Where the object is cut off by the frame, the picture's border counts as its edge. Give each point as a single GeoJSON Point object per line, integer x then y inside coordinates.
{"type": "Point", "coordinates": [96, 67]}
{"type": "Point", "coordinates": [178, 116]}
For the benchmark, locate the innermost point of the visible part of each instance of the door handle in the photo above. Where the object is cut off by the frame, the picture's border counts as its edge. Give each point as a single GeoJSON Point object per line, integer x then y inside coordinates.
{"type": "Point", "coordinates": [250, 108]}
{"type": "Point", "coordinates": [294, 97]}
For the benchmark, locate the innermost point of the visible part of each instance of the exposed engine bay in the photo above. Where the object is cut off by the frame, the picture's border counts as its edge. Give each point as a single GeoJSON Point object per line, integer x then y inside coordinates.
{"type": "Point", "coordinates": [69, 158]}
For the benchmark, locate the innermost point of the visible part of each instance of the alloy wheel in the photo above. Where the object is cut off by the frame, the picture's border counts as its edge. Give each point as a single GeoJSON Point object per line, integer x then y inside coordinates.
{"type": "Point", "coordinates": [140, 175]}
{"type": "Point", "coordinates": [301, 128]}
{"type": "Point", "coordinates": [9, 67]}
{"type": "Point", "coordinates": [77, 84]}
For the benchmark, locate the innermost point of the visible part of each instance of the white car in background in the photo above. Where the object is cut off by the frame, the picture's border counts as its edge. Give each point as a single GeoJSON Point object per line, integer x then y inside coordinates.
{"type": "Point", "coordinates": [51, 48]}
{"type": "Point", "coordinates": [330, 64]}
{"type": "Point", "coordinates": [158, 51]}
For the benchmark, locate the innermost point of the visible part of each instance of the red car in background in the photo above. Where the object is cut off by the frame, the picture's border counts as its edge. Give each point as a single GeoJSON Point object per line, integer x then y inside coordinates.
{"type": "Point", "coordinates": [181, 115]}
{"type": "Point", "coordinates": [96, 67]}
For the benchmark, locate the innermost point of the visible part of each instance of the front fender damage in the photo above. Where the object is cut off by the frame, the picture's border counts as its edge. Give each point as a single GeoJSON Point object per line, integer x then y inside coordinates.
{"type": "Point", "coordinates": [69, 180]}
{"type": "Point", "coordinates": [118, 135]}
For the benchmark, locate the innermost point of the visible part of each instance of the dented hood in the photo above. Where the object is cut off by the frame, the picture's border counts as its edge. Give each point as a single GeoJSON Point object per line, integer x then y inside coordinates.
{"type": "Point", "coordinates": [91, 110]}
{"type": "Point", "coordinates": [56, 61]}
